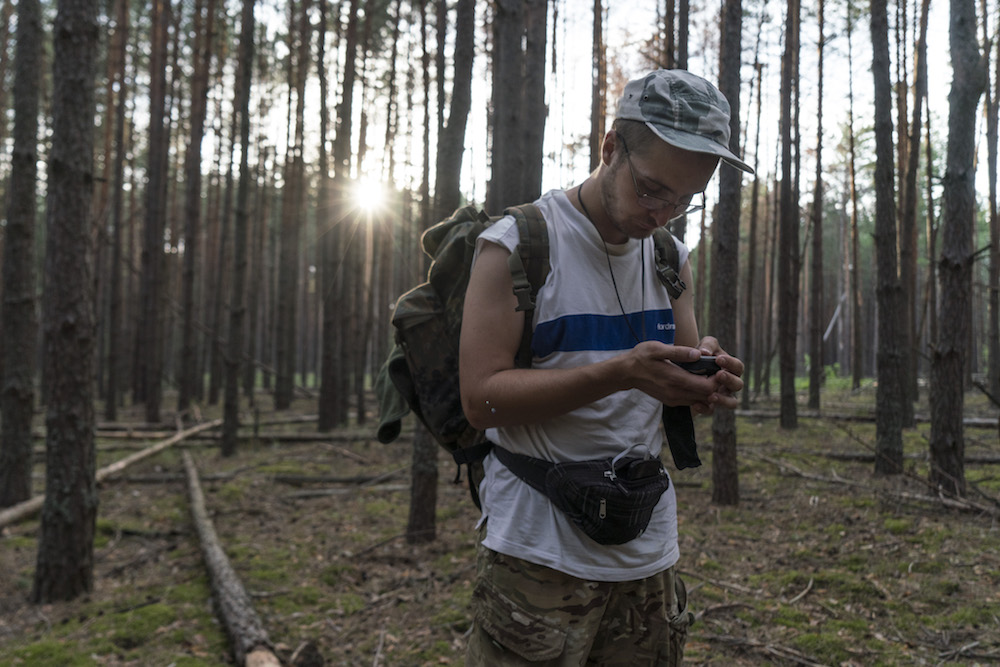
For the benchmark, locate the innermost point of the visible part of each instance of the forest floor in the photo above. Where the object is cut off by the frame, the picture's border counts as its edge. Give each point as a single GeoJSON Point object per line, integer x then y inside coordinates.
{"type": "Point", "coordinates": [821, 563]}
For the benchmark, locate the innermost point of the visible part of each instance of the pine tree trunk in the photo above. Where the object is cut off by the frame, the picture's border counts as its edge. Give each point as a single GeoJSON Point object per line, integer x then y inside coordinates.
{"type": "Point", "coordinates": [816, 312]}
{"type": "Point", "coordinates": [752, 352]}
{"type": "Point", "coordinates": [993, 108]}
{"type": "Point", "coordinates": [326, 408]}
{"type": "Point", "coordinates": [19, 321]}
{"type": "Point", "coordinates": [857, 322]}
{"type": "Point", "coordinates": [237, 297]}
{"type": "Point", "coordinates": [204, 22]}
{"type": "Point", "coordinates": [291, 222]}
{"type": "Point", "coordinates": [889, 394]}
{"type": "Point", "coordinates": [451, 147]}
{"type": "Point", "coordinates": [948, 359]}
{"type": "Point", "coordinates": [599, 83]}
{"type": "Point", "coordinates": [150, 344]}
{"type": "Point", "coordinates": [788, 237]}
{"type": "Point", "coordinates": [343, 293]}
{"type": "Point", "coordinates": [519, 29]}
{"type": "Point", "coordinates": [421, 525]}
{"type": "Point", "coordinates": [65, 565]}
{"type": "Point", "coordinates": [726, 257]}
{"type": "Point", "coordinates": [116, 337]}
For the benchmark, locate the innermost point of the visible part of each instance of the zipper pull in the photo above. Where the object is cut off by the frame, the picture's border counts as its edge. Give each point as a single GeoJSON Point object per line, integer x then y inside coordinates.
{"type": "Point", "coordinates": [603, 512]}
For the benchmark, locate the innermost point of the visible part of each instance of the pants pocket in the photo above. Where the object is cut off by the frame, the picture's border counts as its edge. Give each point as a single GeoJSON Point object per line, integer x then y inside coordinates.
{"type": "Point", "coordinates": [513, 627]}
{"type": "Point", "coordinates": [679, 619]}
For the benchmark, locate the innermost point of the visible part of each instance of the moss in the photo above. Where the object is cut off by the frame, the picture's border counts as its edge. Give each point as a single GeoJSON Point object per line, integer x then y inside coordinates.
{"type": "Point", "coordinates": [971, 616]}
{"type": "Point", "coordinates": [379, 508]}
{"type": "Point", "coordinates": [136, 627]}
{"type": "Point", "coordinates": [856, 563]}
{"type": "Point", "coordinates": [285, 468]}
{"type": "Point", "coordinates": [348, 603]}
{"type": "Point", "coordinates": [924, 567]}
{"type": "Point", "coordinates": [51, 652]}
{"type": "Point", "coordinates": [191, 592]}
{"type": "Point", "coordinates": [234, 491]}
{"type": "Point", "coordinates": [898, 526]}
{"type": "Point", "coordinates": [21, 542]}
{"type": "Point", "coordinates": [792, 618]}
{"type": "Point", "coordinates": [334, 575]}
{"type": "Point", "coordinates": [823, 647]}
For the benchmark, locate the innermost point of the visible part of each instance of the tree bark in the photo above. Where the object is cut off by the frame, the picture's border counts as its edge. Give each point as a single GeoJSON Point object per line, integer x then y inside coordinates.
{"type": "Point", "coordinates": [451, 147]}
{"type": "Point", "coordinates": [19, 320]}
{"type": "Point", "coordinates": [992, 112]}
{"type": "Point", "coordinates": [816, 309]}
{"type": "Point", "coordinates": [788, 236]}
{"type": "Point", "coordinates": [250, 642]}
{"type": "Point", "coordinates": [889, 395]}
{"type": "Point", "coordinates": [753, 352]}
{"type": "Point", "coordinates": [726, 256]}
{"type": "Point", "coordinates": [291, 223]}
{"type": "Point", "coordinates": [948, 358]}
{"type": "Point", "coordinates": [150, 344]}
{"type": "Point", "coordinates": [519, 110]}
{"type": "Point", "coordinates": [237, 297]}
{"type": "Point", "coordinates": [421, 525]}
{"type": "Point", "coordinates": [65, 564]}
{"type": "Point", "coordinates": [599, 85]}
{"type": "Point", "coordinates": [116, 337]}
{"type": "Point", "coordinates": [327, 405]}
{"type": "Point", "coordinates": [204, 23]}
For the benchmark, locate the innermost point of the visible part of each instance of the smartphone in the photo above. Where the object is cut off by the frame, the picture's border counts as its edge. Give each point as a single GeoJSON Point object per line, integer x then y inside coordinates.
{"type": "Point", "coordinates": [705, 366]}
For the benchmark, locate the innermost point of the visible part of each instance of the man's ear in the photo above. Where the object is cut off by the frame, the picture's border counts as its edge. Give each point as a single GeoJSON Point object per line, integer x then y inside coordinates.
{"type": "Point", "coordinates": [608, 147]}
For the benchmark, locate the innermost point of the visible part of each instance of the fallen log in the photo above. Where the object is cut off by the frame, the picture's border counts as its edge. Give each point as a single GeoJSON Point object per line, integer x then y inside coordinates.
{"type": "Point", "coordinates": [32, 506]}
{"type": "Point", "coordinates": [118, 466]}
{"type": "Point", "coordinates": [251, 644]}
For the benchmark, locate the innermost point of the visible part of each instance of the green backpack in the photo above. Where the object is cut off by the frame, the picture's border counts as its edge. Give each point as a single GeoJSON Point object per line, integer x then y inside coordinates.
{"type": "Point", "coordinates": [421, 371]}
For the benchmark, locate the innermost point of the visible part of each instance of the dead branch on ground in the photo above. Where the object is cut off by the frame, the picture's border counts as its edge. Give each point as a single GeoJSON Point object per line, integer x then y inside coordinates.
{"type": "Point", "coordinates": [250, 641]}
{"type": "Point", "coordinates": [32, 506]}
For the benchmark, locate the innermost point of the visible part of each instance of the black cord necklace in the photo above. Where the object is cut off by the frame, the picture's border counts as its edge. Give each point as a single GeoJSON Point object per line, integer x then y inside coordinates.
{"type": "Point", "coordinates": [614, 283]}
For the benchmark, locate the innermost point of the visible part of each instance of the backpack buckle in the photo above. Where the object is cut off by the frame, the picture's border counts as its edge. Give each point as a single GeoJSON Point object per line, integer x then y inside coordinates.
{"type": "Point", "coordinates": [671, 280]}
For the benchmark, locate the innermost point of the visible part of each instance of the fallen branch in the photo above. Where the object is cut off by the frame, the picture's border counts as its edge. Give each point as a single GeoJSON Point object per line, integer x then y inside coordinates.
{"type": "Point", "coordinates": [32, 506]}
{"type": "Point", "coordinates": [786, 652]}
{"type": "Point", "coordinates": [867, 457]}
{"type": "Point", "coordinates": [320, 493]}
{"type": "Point", "coordinates": [250, 641]}
{"type": "Point", "coordinates": [301, 480]}
{"type": "Point", "coordinates": [118, 466]}
{"type": "Point", "coordinates": [960, 504]}
{"type": "Point", "coordinates": [804, 592]}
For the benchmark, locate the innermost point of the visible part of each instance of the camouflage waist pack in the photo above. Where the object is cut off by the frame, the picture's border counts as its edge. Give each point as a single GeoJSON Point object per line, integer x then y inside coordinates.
{"type": "Point", "coordinates": [611, 500]}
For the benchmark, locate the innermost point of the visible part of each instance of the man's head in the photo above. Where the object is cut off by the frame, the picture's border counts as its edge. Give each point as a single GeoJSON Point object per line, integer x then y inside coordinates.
{"type": "Point", "coordinates": [683, 110]}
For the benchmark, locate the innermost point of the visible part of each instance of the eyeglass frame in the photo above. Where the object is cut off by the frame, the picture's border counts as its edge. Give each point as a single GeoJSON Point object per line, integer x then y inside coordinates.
{"type": "Point", "coordinates": [645, 198]}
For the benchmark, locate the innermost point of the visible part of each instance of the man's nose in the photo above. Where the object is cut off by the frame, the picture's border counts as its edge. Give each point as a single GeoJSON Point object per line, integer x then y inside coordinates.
{"type": "Point", "coordinates": [663, 215]}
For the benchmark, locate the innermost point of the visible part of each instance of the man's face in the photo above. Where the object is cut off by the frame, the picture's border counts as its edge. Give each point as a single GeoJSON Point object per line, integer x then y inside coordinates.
{"type": "Point", "coordinates": [645, 189]}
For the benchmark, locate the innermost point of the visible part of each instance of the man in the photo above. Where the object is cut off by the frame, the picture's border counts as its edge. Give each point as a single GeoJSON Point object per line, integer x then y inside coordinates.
{"type": "Point", "coordinates": [605, 347]}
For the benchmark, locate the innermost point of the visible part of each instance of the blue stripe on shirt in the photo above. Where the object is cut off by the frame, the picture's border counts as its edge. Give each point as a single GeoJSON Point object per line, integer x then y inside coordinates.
{"type": "Point", "coordinates": [587, 332]}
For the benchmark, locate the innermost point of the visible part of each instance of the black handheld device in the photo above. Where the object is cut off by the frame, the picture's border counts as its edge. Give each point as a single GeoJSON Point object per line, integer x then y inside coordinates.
{"type": "Point", "coordinates": [705, 366]}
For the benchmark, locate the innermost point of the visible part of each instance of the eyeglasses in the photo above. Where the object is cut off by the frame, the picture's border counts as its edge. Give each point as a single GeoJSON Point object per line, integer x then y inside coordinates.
{"type": "Point", "coordinates": [655, 203]}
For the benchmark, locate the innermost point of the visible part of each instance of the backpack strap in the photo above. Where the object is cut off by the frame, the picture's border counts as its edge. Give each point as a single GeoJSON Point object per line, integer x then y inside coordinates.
{"type": "Point", "coordinates": [678, 425]}
{"type": "Point", "coordinates": [668, 262]}
{"type": "Point", "coordinates": [529, 267]}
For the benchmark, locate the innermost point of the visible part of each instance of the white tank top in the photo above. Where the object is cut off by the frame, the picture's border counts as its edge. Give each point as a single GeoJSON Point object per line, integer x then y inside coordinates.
{"type": "Point", "coordinates": [578, 320]}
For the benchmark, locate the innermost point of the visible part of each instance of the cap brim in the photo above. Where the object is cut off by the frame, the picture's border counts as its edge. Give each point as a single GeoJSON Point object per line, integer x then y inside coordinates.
{"type": "Point", "coordinates": [697, 143]}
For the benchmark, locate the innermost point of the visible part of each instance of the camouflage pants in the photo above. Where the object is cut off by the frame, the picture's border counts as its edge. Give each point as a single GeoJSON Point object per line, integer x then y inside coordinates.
{"type": "Point", "coordinates": [527, 614]}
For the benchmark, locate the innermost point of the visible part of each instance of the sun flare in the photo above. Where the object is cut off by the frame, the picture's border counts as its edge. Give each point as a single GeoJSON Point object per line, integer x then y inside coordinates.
{"type": "Point", "coordinates": [369, 195]}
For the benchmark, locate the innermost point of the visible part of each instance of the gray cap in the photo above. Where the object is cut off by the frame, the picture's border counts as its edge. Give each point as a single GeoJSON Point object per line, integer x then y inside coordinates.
{"type": "Point", "coordinates": [684, 110]}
